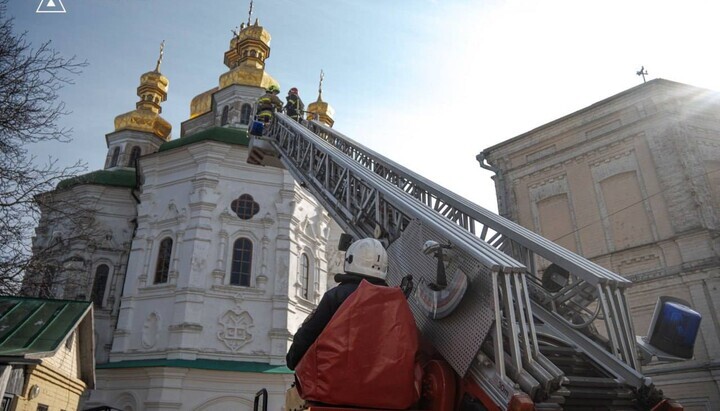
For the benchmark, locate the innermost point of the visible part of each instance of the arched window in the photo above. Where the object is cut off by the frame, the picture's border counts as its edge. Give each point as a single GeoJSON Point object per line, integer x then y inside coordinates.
{"type": "Point", "coordinates": [304, 275]}
{"type": "Point", "coordinates": [224, 117]}
{"type": "Point", "coordinates": [115, 155]}
{"type": "Point", "coordinates": [134, 155]}
{"type": "Point", "coordinates": [241, 262]}
{"type": "Point", "coordinates": [98, 291]}
{"type": "Point", "coordinates": [245, 113]}
{"type": "Point", "coordinates": [162, 268]}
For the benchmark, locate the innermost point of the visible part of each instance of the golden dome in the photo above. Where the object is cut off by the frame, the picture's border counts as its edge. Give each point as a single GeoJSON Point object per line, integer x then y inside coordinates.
{"type": "Point", "coordinates": [202, 103]}
{"type": "Point", "coordinates": [144, 120]}
{"type": "Point", "coordinates": [146, 116]}
{"type": "Point", "coordinates": [247, 76]}
{"type": "Point", "coordinates": [321, 111]}
{"type": "Point", "coordinates": [246, 58]}
{"type": "Point", "coordinates": [250, 46]}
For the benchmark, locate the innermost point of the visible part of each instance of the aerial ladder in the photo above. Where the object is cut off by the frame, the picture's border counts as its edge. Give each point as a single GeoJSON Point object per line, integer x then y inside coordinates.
{"type": "Point", "coordinates": [537, 327]}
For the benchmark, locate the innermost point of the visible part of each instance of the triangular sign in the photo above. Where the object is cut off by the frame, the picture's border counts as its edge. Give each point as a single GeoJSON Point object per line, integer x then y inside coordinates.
{"type": "Point", "coordinates": [50, 6]}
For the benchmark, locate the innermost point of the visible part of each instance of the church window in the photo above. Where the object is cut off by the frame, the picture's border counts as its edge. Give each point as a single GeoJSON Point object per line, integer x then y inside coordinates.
{"type": "Point", "coordinates": [134, 155]}
{"type": "Point", "coordinates": [245, 113]}
{"type": "Point", "coordinates": [46, 282]}
{"type": "Point", "coordinates": [253, 53]}
{"type": "Point", "coordinates": [245, 206]}
{"type": "Point", "coordinates": [115, 156]}
{"type": "Point", "coordinates": [162, 268]}
{"type": "Point", "coordinates": [224, 117]}
{"type": "Point", "coordinates": [98, 291]}
{"type": "Point", "coordinates": [241, 262]}
{"type": "Point", "coordinates": [304, 275]}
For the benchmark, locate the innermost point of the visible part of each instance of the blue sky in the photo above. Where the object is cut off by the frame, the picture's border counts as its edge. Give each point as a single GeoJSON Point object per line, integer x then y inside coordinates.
{"type": "Point", "coordinates": [427, 83]}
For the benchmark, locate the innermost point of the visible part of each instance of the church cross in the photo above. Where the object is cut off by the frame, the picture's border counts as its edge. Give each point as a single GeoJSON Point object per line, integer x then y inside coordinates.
{"type": "Point", "coordinates": [642, 73]}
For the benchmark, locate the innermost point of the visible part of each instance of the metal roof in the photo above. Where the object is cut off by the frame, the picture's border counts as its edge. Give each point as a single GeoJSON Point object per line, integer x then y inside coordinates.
{"type": "Point", "coordinates": [34, 327]}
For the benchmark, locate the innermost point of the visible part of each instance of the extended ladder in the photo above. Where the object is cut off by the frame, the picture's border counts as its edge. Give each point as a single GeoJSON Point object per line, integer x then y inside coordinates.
{"type": "Point", "coordinates": [369, 195]}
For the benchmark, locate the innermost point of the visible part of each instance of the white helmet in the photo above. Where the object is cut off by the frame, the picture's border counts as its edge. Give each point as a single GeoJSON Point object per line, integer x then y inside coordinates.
{"type": "Point", "coordinates": [367, 257]}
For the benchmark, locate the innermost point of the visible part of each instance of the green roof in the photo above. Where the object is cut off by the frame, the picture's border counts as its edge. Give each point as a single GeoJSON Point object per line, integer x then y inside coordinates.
{"type": "Point", "coordinates": [201, 364]}
{"type": "Point", "coordinates": [117, 178]}
{"type": "Point", "coordinates": [221, 134]}
{"type": "Point", "coordinates": [34, 327]}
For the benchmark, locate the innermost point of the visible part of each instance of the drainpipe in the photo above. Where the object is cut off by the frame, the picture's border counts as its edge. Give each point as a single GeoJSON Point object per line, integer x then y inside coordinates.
{"type": "Point", "coordinates": [499, 183]}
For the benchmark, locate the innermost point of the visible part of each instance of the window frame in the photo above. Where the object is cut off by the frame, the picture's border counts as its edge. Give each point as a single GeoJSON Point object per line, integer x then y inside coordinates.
{"type": "Point", "coordinates": [236, 277]}
{"type": "Point", "coordinates": [304, 276]}
{"type": "Point", "coordinates": [224, 116]}
{"type": "Point", "coordinates": [132, 161]}
{"type": "Point", "coordinates": [97, 298]}
{"type": "Point", "coordinates": [245, 114]}
{"type": "Point", "coordinates": [164, 258]}
{"type": "Point", "coordinates": [115, 157]}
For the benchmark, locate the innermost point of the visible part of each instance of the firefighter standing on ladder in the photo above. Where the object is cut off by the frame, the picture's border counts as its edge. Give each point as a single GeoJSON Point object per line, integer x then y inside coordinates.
{"type": "Point", "coordinates": [268, 104]}
{"type": "Point", "coordinates": [294, 106]}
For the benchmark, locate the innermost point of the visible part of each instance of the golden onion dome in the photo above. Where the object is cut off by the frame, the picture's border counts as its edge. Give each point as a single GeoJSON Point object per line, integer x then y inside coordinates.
{"type": "Point", "coordinates": [246, 58]}
{"type": "Point", "coordinates": [145, 121]}
{"type": "Point", "coordinates": [146, 116]}
{"type": "Point", "coordinates": [202, 103]}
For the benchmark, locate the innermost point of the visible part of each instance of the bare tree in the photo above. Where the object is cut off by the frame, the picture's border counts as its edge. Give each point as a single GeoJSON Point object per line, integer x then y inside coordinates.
{"type": "Point", "coordinates": [30, 109]}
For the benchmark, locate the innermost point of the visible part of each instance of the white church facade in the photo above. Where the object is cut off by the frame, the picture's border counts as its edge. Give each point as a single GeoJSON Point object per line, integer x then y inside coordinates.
{"type": "Point", "coordinates": [204, 264]}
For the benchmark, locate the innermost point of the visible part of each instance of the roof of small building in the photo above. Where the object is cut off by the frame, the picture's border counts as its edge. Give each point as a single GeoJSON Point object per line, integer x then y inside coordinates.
{"type": "Point", "coordinates": [117, 178]}
{"type": "Point", "coordinates": [221, 134]}
{"type": "Point", "coordinates": [35, 328]}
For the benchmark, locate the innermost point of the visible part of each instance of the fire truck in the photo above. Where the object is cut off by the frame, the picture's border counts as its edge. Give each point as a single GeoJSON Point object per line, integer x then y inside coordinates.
{"type": "Point", "coordinates": [517, 321]}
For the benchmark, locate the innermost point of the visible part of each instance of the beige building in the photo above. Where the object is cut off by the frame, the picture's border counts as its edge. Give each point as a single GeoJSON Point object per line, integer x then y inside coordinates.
{"type": "Point", "coordinates": [46, 354]}
{"type": "Point", "coordinates": [633, 183]}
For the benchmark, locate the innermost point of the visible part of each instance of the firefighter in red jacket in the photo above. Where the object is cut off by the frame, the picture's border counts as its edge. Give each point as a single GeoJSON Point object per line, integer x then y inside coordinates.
{"type": "Point", "coordinates": [268, 104]}
{"type": "Point", "coordinates": [365, 259]}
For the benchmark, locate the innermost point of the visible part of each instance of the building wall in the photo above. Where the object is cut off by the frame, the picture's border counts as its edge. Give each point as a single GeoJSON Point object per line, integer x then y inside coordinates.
{"type": "Point", "coordinates": [113, 210]}
{"type": "Point", "coordinates": [188, 389]}
{"type": "Point", "coordinates": [628, 183]}
{"type": "Point", "coordinates": [59, 380]}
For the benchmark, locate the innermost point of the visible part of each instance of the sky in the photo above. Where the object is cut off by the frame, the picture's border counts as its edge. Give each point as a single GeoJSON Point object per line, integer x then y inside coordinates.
{"type": "Point", "coordinates": [427, 83]}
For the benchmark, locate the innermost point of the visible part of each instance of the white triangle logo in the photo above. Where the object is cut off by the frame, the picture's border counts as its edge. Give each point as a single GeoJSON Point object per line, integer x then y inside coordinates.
{"type": "Point", "coordinates": [50, 6]}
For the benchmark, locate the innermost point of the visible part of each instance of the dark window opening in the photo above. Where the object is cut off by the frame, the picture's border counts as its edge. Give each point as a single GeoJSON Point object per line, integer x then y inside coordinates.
{"type": "Point", "coordinates": [134, 156]}
{"type": "Point", "coordinates": [304, 275]}
{"type": "Point", "coordinates": [98, 291]}
{"type": "Point", "coordinates": [245, 113]}
{"type": "Point", "coordinates": [115, 156]}
{"type": "Point", "coordinates": [241, 262]}
{"type": "Point", "coordinates": [162, 268]}
{"type": "Point", "coordinates": [245, 206]}
{"type": "Point", "coordinates": [224, 117]}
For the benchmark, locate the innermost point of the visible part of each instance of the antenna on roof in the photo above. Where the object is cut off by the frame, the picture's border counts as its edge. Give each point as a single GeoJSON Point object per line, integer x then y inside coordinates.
{"type": "Point", "coordinates": [250, 12]}
{"type": "Point", "coordinates": [642, 73]}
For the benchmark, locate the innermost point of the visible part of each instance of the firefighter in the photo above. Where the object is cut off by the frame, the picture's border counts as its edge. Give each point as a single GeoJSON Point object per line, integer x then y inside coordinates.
{"type": "Point", "coordinates": [294, 106]}
{"type": "Point", "coordinates": [268, 104]}
{"type": "Point", "coordinates": [365, 259]}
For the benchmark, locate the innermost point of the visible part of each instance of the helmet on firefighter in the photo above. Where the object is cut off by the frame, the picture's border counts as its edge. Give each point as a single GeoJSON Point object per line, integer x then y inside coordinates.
{"type": "Point", "coordinates": [294, 90]}
{"type": "Point", "coordinates": [367, 257]}
{"type": "Point", "coordinates": [273, 89]}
